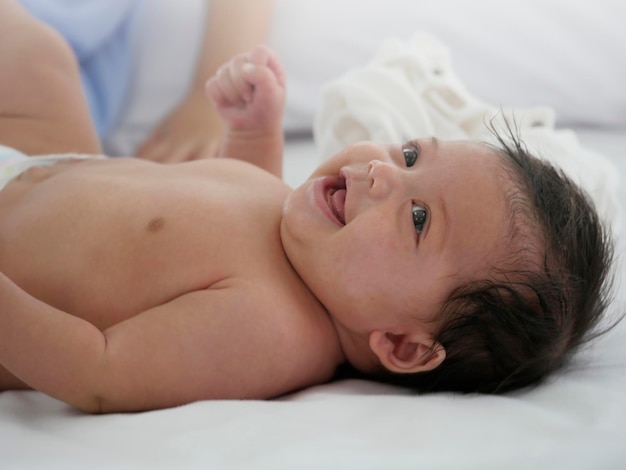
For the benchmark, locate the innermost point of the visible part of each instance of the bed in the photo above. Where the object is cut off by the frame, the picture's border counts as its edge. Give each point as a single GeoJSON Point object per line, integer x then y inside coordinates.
{"type": "Point", "coordinates": [576, 420]}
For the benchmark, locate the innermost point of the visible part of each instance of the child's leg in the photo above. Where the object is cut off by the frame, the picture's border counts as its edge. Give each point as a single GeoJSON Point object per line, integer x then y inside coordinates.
{"type": "Point", "coordinates": [42, 107]}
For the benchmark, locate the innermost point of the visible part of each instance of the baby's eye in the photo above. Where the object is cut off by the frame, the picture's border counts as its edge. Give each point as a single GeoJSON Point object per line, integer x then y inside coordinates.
{"type": "Point", "coordinates": [411, 152]}
{"type": "Point", "coordinates": [420, 215]}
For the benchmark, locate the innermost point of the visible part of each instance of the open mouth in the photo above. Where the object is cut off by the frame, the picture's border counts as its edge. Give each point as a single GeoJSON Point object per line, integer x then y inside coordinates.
{"type": "Point", "coordinates": [336, 198]}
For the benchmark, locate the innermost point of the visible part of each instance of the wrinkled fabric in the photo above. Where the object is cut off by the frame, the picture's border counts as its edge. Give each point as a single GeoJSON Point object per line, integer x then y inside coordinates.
{"type": "Point", "coordinates": [409, 90]}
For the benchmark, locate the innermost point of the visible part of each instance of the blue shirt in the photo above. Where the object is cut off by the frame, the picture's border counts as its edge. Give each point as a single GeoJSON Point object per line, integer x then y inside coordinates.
{"type": "Point", "coordinates": [102, 34]}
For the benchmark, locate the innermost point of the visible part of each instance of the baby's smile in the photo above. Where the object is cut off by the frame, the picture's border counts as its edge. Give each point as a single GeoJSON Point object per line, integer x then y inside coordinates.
{"type": "Point", "coordinates": [330, 195]}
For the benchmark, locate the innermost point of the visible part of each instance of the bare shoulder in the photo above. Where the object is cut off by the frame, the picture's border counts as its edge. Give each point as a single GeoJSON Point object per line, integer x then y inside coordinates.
{"type": "Point", "coordinates": [239, 339]}
{"type": "Point", "coordinates": [291, 330]}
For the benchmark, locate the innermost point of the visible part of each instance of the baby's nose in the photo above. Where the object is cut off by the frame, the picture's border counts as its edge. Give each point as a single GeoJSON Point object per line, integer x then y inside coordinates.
{"type": "Point", "coordinates": [377, 166]}
{"type": "Point", "coordinates": [383, 177]}
{"type": "Point", "coordinates": [373, 164]}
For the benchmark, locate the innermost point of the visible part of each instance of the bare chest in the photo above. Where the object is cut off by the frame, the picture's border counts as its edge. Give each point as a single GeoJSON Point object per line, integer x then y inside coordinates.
{"type": "Point", "coordinates": [105, 242]}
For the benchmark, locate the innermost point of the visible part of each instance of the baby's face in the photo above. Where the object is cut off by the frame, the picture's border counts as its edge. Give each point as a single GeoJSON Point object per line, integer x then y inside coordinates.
{"type": "Point", "coordinates": [380, 238]}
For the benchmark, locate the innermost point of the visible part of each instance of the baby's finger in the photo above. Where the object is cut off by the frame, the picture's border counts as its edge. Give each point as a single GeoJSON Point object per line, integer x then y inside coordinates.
{"type": "Point", "coordinates": [263, 55]}
{"type": "Point", "coordinates": [259, 75]}
{"type": "Point", "coordinates": [274, 63]}
{"type": "Point", "coordinates": [227, 86]}
{"type": "Point", "coordinates": [213, 91]}
{"type": "Point", "coordinates": [260, 55]}
{"type": "Point", "coordinates": [243, 88]}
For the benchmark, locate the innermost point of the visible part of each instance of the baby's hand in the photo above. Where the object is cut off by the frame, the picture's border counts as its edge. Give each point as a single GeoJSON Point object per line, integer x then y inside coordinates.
{"type": "Point", "coordinates": [249, 91]}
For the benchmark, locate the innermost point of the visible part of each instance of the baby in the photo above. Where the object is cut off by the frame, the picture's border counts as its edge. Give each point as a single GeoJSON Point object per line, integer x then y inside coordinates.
{"type": "Point", "coordinates": [129, 285]}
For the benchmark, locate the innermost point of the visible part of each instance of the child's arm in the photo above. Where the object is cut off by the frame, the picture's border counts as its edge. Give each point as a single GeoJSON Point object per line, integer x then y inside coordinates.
{"type": "Point", "coordinates": [47, 349]}
{"type": "Point", "coordinates": [249, 95]}
{"type": "Point", "coordinates": [214, 343]}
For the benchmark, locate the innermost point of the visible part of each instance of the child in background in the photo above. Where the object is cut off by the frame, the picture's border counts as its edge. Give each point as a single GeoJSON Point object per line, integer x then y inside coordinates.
{"type": "Point", "coordinates": [129, 285]}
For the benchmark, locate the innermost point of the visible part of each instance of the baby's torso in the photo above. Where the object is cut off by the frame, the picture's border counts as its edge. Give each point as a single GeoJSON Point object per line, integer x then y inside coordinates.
{"type": "Point", "coordinates": [107, 239]}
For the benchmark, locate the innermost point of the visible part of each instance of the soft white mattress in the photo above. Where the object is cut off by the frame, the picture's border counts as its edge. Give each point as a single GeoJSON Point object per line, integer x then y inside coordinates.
{"type": "Point", "coordinates": [575, 421]}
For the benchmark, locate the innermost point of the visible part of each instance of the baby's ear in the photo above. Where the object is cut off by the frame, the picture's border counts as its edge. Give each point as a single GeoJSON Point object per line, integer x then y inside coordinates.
{"type": "Point", "coordinates": [406, 353]}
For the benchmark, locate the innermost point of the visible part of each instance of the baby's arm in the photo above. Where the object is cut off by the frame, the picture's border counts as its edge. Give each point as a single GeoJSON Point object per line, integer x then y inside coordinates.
{"type": "Point", "coordinates": [249, 95]}
{"type": "Point", "coordinates": [214, 343]}
{"type": "Point", "coordinates": [47, 349]}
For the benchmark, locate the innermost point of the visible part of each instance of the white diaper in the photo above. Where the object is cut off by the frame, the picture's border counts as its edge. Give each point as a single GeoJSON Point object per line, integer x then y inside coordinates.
{"type": "Point", "coordinates": [14, 162]}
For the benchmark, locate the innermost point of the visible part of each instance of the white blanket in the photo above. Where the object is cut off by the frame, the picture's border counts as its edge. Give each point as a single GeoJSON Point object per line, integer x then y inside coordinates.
{"type": "Point", "coordinates": [409, 89]}
{"type": "Point", "coordinates": [575, 421]}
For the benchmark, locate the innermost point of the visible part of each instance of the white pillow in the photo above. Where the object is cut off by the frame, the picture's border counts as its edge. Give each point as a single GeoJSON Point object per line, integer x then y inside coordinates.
{"type": "Point", "coordinates": [566, 54]}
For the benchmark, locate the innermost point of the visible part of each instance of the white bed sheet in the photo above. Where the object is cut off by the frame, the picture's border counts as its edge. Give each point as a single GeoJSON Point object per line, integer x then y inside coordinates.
{"type": "Point", "coordinates": [575, 421]}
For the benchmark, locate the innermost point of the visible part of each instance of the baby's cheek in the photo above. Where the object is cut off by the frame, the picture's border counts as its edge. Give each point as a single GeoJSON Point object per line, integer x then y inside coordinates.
{"type": "Point", "coordinates": [367, 255]}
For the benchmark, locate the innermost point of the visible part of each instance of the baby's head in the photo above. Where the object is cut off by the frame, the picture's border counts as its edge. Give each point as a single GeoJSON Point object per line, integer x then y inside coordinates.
{"type": "Point", "coordinates": [450, 265]}
{"type": "Point", "coordinates": [523, 321]}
